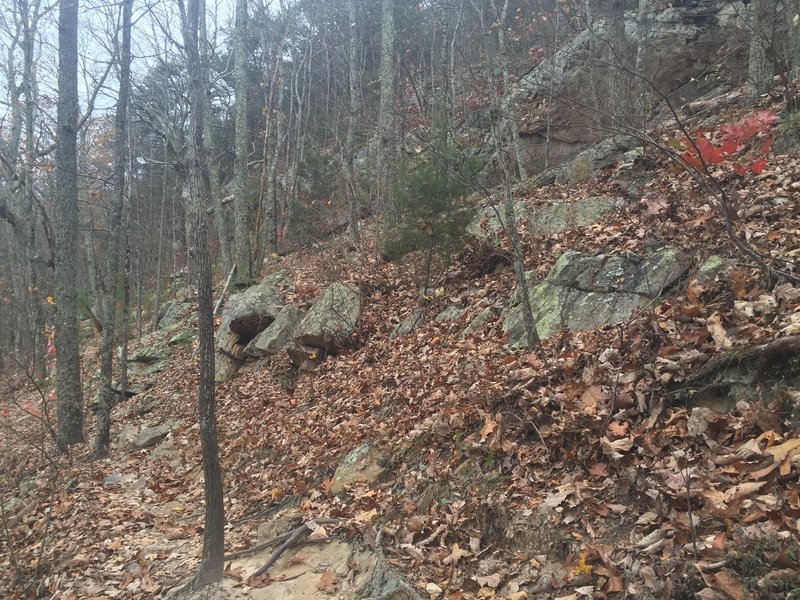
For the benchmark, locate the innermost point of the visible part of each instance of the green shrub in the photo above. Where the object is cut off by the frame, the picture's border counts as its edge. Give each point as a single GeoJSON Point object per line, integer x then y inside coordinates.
{"type": "Point", "coordinates": [426, 209]}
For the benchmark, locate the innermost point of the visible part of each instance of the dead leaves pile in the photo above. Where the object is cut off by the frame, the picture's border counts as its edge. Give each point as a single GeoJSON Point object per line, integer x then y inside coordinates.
{"type": "Point", "coordinates": [507, 476]}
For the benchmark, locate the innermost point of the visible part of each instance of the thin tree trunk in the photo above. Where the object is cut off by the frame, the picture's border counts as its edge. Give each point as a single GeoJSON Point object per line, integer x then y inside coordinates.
{"type": "Point", "coordinates": [502, 17]}
{"type": "Point", "coordinates": [36, 323]}
{"type": "Point", "coordinates": [642, 89]}
{"type": "Point", "coordinates": [211, 563]}
{"type": "Point", "coordinates": [241, 231]}
{"type": "Point", "coordinates": [759, 68]}
{"type": "Point", "coordinates": [387, 69]}
{"type": "Point", "coordinates": [532, 336]}
{"type": "Point", "coordinates": [349, 150]}
{"type": "Point", "coordinates": [68, 373]}
{"type": "Point", "coordinates": [160, 259]}
{"type": "Point", "coordinates": [221, 216]}
{"type": "Point", "coordinates": [126, 312]}
{"type": "Point", "coordinates": [105, 392]}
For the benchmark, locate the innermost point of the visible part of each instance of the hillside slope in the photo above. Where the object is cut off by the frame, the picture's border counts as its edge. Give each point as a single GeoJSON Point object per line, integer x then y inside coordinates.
{"type": "Point", "coordinates": [654, 458]}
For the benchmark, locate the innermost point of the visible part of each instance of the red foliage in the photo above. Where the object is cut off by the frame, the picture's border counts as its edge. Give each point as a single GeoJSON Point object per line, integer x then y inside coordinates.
{"type": "Point", "coordinates": [743, 144]}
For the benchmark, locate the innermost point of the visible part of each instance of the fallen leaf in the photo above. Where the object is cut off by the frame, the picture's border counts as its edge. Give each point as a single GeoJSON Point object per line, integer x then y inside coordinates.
{"type": "Point", "coordinates": [327, 582]}
{"type": "Point", "coordinates": [718, 332]}
{"type": "Point", "coordinates": [456, 554]}
{"type": "Point", "coordinates": [491, 581]}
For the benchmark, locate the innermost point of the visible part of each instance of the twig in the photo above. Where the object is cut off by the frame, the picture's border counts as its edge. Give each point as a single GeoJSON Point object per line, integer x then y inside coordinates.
{"type": "Point", "coordinates": [224, 289]}
{"type": "Point", "coordinates": [258, 548]}
{"type": "Point", "coordinates": [292, 538]}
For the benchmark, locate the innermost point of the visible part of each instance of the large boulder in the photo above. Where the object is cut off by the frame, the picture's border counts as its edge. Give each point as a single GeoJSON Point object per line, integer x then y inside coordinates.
{"type": "Point", "coordinates": [490, 222]}
{"type": "Point", "coordinates": [561, 103]}
{"type": "Point", "coordinates": [582, 292]}
{"type": "Point", "coordinates": [332, 320]}
{"type": "Point", "coordinates": [245, 316]}
{"type": "Point", "coordinates": [278, 335]}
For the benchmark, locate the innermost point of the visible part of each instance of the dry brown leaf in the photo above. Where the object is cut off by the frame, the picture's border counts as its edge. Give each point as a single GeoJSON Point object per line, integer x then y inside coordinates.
{"type": "Point", "coordinates": [456, 554]}
{"type": "Point", "coordinates": [731, 585]}
{"type": "Point", "coordinates": [718, 332]}
{"type": "Point", "coordinates": [327, 582]}
{"type": "Point", "coordinates": [492, 581]}
{"type": "Point", "coordinates": [743, 490]}
{"type": "Point", "coordinates": [616, 429]}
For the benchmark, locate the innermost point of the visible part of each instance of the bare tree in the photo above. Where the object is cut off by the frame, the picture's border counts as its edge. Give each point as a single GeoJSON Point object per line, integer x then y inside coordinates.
{"type": "Point", "coordinates": [105, 393]}
{"type": "Point", "coordinates": [241, 231]}
{"type": "Point", "coordinates": [211, 563]}
{"type": "Point", "coordinates": [386, 116]}
{"type": "Point", "coordinates": [68, 373]}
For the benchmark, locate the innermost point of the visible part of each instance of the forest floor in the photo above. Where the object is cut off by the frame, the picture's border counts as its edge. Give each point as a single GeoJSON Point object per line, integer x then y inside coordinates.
{"type": "Point", "coordinates": [581, 472]}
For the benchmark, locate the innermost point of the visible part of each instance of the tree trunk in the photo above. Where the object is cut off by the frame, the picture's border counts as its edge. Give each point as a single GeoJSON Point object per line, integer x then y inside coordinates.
{"type": "Point", "coordinates": [221, 216]}
{"type": "Point", "coordinates": [211, 563]}
{"type": "Point", "coordinates": [241, 232]}
{"type": "Point", "coordinates": [160, 258]}
{"type": "Point", "coordinates": [501, 17]}
{"type": "Point", "coordinates": [68, 373]}
{"type": "Point", "coordinates": [349, 149]}
{"type": "Point", "coordinates": [642, 89]}
{"type": "Point", "coordinates": [105, 393]}
{"type": "Point", "coordinates": [387, 121]}
{"type": "Point", "coordinates": [501, 152]}
{"type": "Point", "coordinates": [759, 67]}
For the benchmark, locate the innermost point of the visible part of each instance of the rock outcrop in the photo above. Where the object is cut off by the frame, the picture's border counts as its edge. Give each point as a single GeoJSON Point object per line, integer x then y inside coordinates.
{"type": "Point", "coordinates": [278, 335]}
{"type": "Point", "coordinates": [245, 316]}
{"type": "Point", "coordinates": [543, 220]}
{"type": "Point", "coordinates": [332, 320]}
{"type": "Point", "coordinates": [560, 104]}
{"type": "Point", "coordinates": [582, 292]}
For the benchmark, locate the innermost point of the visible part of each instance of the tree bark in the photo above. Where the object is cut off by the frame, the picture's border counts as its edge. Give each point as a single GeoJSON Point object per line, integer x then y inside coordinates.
{"type": "Point", "coordinates": [759, 67]}
{"type": "Point", "coordinates": [501, 17]}
{"type": "Point", "coordinates": [221, 215]}
{"type": "Point", "coordinates": [349, 150]}
{"type": "Point", "coordinates": [105, 393]}
{"type": "Point", "coordinates": [211, 563]}
{"type": "Point", "coordinates": [501, 152]}
{"type": "Point", "coordinates": [68, 373]}
{"type": "Point", "coordinates": [241, 232]}
{"type": "Point", "coordinates": [386, 116]}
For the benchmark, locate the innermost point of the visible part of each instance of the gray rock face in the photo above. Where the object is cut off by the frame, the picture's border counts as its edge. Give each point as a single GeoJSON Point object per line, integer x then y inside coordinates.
{"type": "Point", "coordinates": [332, 319]}
{"type": "Point", "coordinates": [682, 42]}
{"type": "Point", "coordinates": [305, 358]}
{"type": "Point", "coordinates": [586, 164]}
{"type": "Point", "coordinates": [244, 317]}
{"type": "Point", "coordinates": [171, 313]}
{"type": "Point", "coordinates": [558, 216]}
{"type": "Point", "coordinates": [362, 465]}
{"type": "Point", "coordinates": [582, 292]}
{"type": "Point", "coordinates": [152, 435]}
{"type": "Point", "coordinates": [181, 338]}
{"type": "Point", "coordinates": [278, 335]}
{"type": "Point", "coordinates": [411, 322]}
{"type": "Point", "coordinates": [147, 361]}
{"type": "Point", "coordinates": [483, 317]}
{"type": "Point", "coordinates": [490, 222]}
{"type": "Point", "coordinates": [451, 313]}
{"type": "Point", "coordinates": [544, 220]}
